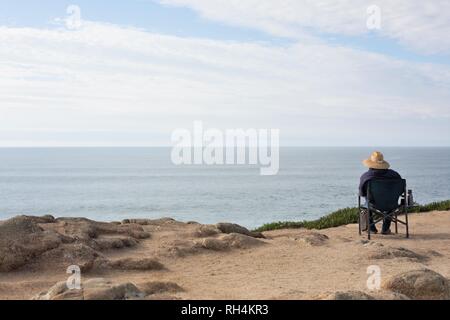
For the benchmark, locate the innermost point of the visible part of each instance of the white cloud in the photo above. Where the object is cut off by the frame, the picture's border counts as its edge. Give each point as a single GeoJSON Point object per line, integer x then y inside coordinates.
{"type": "Point", "coordinates": [106, 84]}
{"type": "Point", "coordinates": [420, 25]}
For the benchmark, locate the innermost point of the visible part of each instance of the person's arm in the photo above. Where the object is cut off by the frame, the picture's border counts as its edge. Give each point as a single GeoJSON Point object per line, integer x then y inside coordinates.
{"type": "Point", "coordinates": [362, 186]}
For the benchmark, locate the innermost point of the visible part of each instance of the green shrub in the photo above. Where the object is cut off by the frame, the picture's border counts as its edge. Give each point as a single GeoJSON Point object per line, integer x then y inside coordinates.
{"type": "Point", "coordinates": [342, 217]}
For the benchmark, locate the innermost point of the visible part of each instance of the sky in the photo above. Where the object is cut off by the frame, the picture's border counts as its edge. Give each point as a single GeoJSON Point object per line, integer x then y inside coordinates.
{"type": "Point", "coordinates": [129, 73]}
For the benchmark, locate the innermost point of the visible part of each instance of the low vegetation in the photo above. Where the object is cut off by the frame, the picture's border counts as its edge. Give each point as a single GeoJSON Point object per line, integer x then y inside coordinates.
{"type": "Point", "coordinates": [343, 217]}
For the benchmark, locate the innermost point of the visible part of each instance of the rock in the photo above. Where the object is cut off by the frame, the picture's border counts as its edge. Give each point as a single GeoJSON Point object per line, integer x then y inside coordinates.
{"type": "Point", "coordinates": [180, 248]}
{"type": "Point", "coordinates": [22, 240]}
{"type": "Point", "coordinates": [98, 264]}
{"type": "Point", "coordinates": [60, 291]}
{"type": "Point", "coordinates": [93, 289]}
{"type": "Point", "coordinates": [206, 231]}
{"type": "Point", "coordinates": [347, 295]}
{"type": "Point", "coordinates": [422, 284]}
{"type": "Point", "coordinates": [240, 241]}
{"type": "Point", "coordinates": [372, 244]}
{"type": "Point", "coordinates": [433, 253]}
{"type": "Point", "coordinates": [29, 241]}
{"type": "Point", "coordinates": [136, 264]}
{"type": "Point", "coordinates": [232, 240]}
{"type": "Point", "coordinates": [43, 219]}
{"type": "Point", "coordinates": [124, 291]}
{"type": "Point", "coordinates": [312, 238]}
{"type": "Point", "coordinates": [70, 254]}
{"type": "Point", "coordinates": [389, 295]}
{"type": "Point", "coordinates": [159, 287]}
{"type": "Point", "coordinates": [146, 222]}
{"type": "Point", "coordinates": [214, 244]}
{"type": "Point", "coordinates": [85, 229]}
{"type": "Point", "coordinates": [382, 252]}
{"type": "Point", "coordinates": [138, 234]}
{"type": "Point", "coordinates": [161, 297]}
{"type": "Point", "coordinates": [235, 228]}
{"type": "Point", "coordinates": [114, 243]}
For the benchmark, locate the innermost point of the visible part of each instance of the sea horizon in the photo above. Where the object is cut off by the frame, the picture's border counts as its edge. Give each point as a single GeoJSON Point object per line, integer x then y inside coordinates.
{"type": "Point", "coordinates": [115, 183]}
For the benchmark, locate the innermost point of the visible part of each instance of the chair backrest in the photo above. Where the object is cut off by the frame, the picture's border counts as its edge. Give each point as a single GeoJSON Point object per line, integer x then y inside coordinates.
{"type": "Point", "coordinates": [384, 193]}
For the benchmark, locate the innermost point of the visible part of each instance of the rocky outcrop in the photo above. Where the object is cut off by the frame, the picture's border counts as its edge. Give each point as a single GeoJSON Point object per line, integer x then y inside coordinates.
{"type": "Point", "coordinates": [346, 295]}
{"type": "Point", "coordinates": [312, 238]}
{"type": "Point", "coordinates": [378, 251]}
{"type": "Point", "coordinates": [35, 241]}
{"type": "Point", "coordinates": [148, 222]}
{"type": "Point", "coordinates": [93, 289]}
{"type": "Point", "coordinates": [360, 295]}
{"type": "Point", "coordinates": [22, 240]}
{"type": "Point", "coordinates": [159, 287]}
{"type": "Point", "coordinates": [241, 241]}
{"type": "Point", "coordinates": [84, 229]}
{"type": "Point", "coordinates": [229, 241]}
{"type": "Point", "coordinates": [422, 284]}
{"type": "Point", "coordinates": [136, 264]}
{"type": "Point", "coordinates": [225, 227]}
{"type": "Point", "coordinates": [214, 244]}
{"type": "Point", "coordinates": [203, 231]}
{"type": "Point", "coordinates": [102, 289]}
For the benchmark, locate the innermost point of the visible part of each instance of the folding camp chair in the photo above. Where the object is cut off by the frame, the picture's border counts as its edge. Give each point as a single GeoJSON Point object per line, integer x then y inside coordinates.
{"type": "Point", "coordinates": [383, 203]}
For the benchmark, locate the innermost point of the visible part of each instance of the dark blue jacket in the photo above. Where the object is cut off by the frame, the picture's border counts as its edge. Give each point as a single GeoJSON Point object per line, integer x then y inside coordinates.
{"type": "Point", "coordinates": [376, 174]}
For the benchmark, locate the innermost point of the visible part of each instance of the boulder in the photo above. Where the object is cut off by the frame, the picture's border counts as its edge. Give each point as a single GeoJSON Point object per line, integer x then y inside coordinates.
{"type": "Point", "coordinates": [203, 231]}
{"type": "Point", "coordinates": [179, 248]}
{"type": "Point", "coordinates": [136, 264]}
{"type": "Point", "coordinates": [232, 240]}
{"type": "Point", "coordinates": [58, 292]}
{"type": "Point", "coordinates": [383, 252]}
{"type": "Point", "coordinates": [159, 287]}
{"type": "Point", "coordinates": [214, 244]}
{"type": "Point", "coordinates": [241, 241]}
{"type": "Point", "coordinates": [388, 295]}
{"type": "Point", "coordinates": [22, 240]}
{"type": "Point", "coordinates": [123, 291]}
{"type": "Point", "coordinates": [114, 243]}
{"type": "Point", "coordinates": [92, 289]}
{"type": "Point", "coordinates": [86, 229]}
{"type": "Point", "coordinates": [347, 295]}
{"type": "Point", "coordinates": [421, 284]}
{"type": "Point", "coordinates": [146, 222]}
{"type": "Point", "coordinates": [70, 254]}
{"type": "Point", "coordinates": [225, 227]}
{"type": "Point", "coordinates": [312, 238]}
{"type": "Point", "coordinates": [34, 241]}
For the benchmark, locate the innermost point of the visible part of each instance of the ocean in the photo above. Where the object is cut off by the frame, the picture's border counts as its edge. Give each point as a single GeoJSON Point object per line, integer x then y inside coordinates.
{"type": "Point", "coordinates": [111, 184]}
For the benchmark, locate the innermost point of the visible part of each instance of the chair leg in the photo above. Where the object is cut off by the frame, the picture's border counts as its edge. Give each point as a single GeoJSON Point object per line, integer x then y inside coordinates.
{"type": "Point", "coordinates": [405, 211]}
{"type": "Point", "coordinates": [407, 224]}
{"type": "Point", "coordinates": [368, 223]}
{"type": "Point", "coordinates": [359, 214]}
{"type": "Point", "coordinates": [396, 223]}
{"type": "Point", "coordinates": [359, 223]}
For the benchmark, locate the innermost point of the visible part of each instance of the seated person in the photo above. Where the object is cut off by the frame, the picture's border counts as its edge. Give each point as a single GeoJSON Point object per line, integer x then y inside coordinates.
{"type": "Point", "coordinates": [378, 169]}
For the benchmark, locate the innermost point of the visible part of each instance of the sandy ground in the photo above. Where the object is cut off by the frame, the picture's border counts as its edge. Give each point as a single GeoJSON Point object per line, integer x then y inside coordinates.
{"type": "Point", "coordinates": [289, 264]}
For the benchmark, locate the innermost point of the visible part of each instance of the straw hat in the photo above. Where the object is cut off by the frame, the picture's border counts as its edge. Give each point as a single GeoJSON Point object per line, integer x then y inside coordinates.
{"type": "Point", "coordinates": [376, 161]}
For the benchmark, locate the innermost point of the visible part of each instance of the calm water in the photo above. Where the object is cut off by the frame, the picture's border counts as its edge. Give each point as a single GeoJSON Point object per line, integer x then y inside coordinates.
{"type": "Point", "coordinates": [118, 183]}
